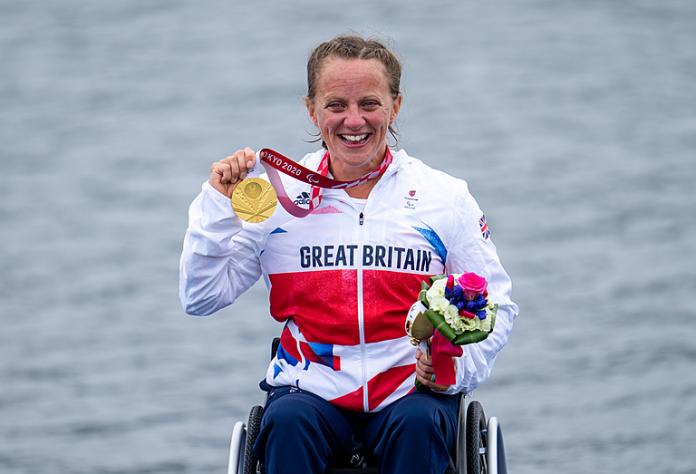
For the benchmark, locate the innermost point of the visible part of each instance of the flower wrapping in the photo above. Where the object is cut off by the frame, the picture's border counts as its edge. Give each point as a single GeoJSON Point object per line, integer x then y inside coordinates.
{"type": "Point", "coordinates": [457, 306]}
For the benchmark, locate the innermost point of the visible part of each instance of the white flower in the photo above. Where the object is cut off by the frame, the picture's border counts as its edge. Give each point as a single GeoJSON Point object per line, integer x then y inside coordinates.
{"type": "Point", "coordinates": [486, 323]}
{"type": "Point", "coordinates": [469, 323]}
{"type": "Point", "coordinates": [451, 312]}
{"type": "Point", "coordinates": [438, 287]}
{"type": "Point", "coordinates": [438, 303]}
{"type": "Point", "coordinates": [451, 316]}
{"type": "Point", "coordinates": [436, 296]}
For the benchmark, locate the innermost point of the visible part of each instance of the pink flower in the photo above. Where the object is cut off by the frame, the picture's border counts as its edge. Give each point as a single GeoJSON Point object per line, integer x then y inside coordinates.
{"type": "Point", "coordinates": [472, 284]}
{"type": "Point", "coordinates": [465, 314]}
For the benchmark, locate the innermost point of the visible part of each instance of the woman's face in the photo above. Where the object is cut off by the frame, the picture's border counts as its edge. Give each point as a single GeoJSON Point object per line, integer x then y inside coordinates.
{"type": "Point", "coordinates": [353, 109]}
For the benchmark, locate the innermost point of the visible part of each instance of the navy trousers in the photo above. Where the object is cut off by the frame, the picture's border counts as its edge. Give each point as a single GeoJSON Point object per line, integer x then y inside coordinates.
{"type": "Point", "coordinates": [304, 434]}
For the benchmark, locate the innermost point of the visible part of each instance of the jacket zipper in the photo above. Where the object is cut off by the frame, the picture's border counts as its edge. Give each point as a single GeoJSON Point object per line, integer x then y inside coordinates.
{"type": "Point", "coordinates": [361, 309]}
{"type": "Point", "coordinates": [361, 314]}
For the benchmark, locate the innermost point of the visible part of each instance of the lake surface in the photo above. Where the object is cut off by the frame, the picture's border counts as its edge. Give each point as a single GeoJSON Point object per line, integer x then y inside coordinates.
{"type": "Point", "coordinates": [573, 122]}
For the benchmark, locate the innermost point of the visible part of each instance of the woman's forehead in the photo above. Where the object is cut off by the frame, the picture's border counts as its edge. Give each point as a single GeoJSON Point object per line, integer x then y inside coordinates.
{"type": "Point", "coordinates": [347, 74]}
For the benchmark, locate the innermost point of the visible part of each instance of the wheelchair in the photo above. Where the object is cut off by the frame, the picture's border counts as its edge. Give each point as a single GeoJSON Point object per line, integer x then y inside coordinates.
{"type": "Point", "coordinates": [479, 445]}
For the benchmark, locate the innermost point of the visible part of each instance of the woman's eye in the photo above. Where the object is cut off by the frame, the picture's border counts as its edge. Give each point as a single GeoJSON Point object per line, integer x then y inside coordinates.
{"type": "Point", "coordinates": [334, 106]}
{"type": "Point", "coordinates": [371, 104]}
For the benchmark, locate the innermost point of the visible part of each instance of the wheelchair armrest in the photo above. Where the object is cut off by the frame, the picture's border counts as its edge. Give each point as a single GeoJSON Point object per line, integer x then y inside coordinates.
{"type": "Point", "coordinates": [274, 346]}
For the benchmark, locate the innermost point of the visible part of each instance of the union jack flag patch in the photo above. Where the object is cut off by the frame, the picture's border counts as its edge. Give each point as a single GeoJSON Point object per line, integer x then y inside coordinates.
{"type": "Point", "coordinates": [485, 231]}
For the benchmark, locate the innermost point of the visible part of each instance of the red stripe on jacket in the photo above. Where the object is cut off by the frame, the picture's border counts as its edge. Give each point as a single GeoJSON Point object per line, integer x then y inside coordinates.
{"type": "Point", "coordinates": [289, 344]}
{"type": "Point", "coordinates": [387, 297]}
{"type": "Point", "coordinates": [379, 388]}
{"type": "Point", "coordinates": [323, 303]}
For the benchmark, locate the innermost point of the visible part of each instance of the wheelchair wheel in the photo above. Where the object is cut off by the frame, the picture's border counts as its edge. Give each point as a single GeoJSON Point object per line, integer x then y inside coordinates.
{"type": "Point", "coordinates": [496, 450]}
{"type": "Point", "coordinates": [252, 432]}
{"type": "Point", "coordinates": [476, 439]}
{"type": "Point", "coordinates": [237, 442]}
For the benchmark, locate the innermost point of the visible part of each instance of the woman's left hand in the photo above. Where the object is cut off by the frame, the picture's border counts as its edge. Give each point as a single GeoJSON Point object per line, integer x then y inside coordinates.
{"type": "Point", "coordinates": [425, 372]}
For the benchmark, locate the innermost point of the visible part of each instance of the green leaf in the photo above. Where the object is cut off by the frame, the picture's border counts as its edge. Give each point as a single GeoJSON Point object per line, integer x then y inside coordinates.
{"type": "Point", "coordinates": [423, 298]}
{"type": "Point", "coordinates": [472, 337]}
{"type": "Point", "coordinates": [438, 321]}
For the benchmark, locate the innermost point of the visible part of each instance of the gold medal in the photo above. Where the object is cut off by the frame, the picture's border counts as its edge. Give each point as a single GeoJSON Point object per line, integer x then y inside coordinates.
{"type": "Point", "coordinates": [254, 200]}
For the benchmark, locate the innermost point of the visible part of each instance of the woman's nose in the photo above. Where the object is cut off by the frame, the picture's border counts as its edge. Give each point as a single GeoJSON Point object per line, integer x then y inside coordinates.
{"type": "Point", "coordinates": [354, 118]}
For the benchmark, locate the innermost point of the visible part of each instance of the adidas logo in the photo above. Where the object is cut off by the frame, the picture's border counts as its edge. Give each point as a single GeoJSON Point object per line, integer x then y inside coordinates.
{"type": "Point", "coordinates": [302, 199]}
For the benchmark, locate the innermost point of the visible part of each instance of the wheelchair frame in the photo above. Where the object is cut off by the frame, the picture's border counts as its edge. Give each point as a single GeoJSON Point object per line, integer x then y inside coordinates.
{"type": "Point", "coordinates": [479, 448]}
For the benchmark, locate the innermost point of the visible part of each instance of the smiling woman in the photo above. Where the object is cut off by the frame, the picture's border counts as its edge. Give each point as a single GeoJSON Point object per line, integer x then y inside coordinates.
{"type": "Point", "coordinates": [353, 97]}
{"type": "Point", "coordinates": [343, 278]}
{"type": "Point", "coordinates": [353, 109]}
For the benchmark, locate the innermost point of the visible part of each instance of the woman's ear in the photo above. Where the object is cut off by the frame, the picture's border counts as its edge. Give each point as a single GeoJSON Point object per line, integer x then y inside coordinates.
{"type": "Point", "coordinates": [311, 111]}
{"type": "Point", "coordinates": [395, 108]}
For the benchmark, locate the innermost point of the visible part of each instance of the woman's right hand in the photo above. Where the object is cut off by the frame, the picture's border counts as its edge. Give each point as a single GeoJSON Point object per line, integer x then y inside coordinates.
{"type": "Point", "coordinates": [227, 173]}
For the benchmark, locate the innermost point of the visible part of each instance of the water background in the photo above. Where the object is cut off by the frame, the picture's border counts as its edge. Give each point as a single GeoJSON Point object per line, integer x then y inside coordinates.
{"type": "Point", "coordinates": [574, 123]}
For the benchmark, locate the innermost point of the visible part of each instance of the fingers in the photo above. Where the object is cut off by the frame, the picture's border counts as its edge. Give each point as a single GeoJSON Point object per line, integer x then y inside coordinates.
{"type": "Point", "coordinates": [425, 360]}
{"type": "Point", "coordinates": [228, 172]}
{"type": "Point", "coordinates": [425, 372]}
{"type": "Point", "coordinates": [240, 163]}
{"type": "Point", "coordinates": [428, 382]}
{"type": "Point", "coordinates": [249, 158]}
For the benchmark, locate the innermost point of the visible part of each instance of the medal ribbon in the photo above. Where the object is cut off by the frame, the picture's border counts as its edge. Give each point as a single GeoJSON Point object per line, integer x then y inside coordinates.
{"type": "Point", "coordinates": [273, 162]}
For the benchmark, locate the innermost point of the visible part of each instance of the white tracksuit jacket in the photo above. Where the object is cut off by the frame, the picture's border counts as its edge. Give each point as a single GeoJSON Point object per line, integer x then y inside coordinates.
{"type": "Point", "coordinates": [343, 278]}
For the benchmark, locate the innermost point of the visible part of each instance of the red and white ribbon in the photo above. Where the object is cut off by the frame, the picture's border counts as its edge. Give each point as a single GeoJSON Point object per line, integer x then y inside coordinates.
{"type": "Point", "coordinates": [273, 162]}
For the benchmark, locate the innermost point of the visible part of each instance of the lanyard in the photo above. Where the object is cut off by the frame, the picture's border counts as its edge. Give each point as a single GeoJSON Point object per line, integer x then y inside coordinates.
{"type": "Point", "coordinates": [274, 162]}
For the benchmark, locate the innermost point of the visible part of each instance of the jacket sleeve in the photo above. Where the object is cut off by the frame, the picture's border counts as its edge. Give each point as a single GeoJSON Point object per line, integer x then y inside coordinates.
{"type": "Point", "coordinates": [219, 260]}
{"type": "Point", "coordinates": [471, 250]}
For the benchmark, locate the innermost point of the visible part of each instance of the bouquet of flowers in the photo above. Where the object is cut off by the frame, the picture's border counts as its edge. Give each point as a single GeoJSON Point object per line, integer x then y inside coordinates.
{"type": "Point", "coordinates": [455, 311]}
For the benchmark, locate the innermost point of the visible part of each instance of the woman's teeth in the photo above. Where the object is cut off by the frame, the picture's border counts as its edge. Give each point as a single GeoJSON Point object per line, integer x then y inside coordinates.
{"type": "Point", "coordinates": [354, 138]}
